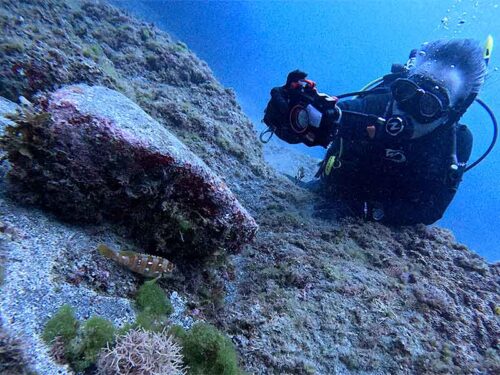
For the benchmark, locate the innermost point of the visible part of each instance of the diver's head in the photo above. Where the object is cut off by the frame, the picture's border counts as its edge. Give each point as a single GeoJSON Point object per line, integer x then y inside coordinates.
{"type": "Point", "coordinates": [438, 89]}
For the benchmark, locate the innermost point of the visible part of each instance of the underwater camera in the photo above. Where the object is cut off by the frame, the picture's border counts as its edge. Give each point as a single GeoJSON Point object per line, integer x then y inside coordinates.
{"type": "Point", "coordinates": [310, 110]}
{"type": "Point", "coordinates": [308, 106]}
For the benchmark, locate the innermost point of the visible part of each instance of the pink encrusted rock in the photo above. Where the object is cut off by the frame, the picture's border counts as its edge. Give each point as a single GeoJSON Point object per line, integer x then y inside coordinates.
{"type": "Point", "coordinates": [99, 156]}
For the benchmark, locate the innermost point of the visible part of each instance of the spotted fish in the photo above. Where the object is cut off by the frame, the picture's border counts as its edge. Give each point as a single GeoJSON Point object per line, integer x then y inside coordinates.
{"type": "Point", "coordinates": [144, 264]}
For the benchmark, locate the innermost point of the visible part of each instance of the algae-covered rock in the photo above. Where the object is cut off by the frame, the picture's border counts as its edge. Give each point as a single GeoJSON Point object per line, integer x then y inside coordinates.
{"type": "Point", "coordinates": [90, 153]}
{"type": "Point", "coordinates": [6, 107]}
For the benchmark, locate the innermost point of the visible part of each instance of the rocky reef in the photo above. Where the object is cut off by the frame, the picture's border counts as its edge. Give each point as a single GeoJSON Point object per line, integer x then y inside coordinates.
{"type": "Point", "coordinates": [89, 153]}
{"type": "Point", "coordinates": [309, 295]}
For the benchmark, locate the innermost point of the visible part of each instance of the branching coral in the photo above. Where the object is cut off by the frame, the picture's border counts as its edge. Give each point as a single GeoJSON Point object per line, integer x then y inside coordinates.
{"type": "Point", "coordinates": [142, 353]}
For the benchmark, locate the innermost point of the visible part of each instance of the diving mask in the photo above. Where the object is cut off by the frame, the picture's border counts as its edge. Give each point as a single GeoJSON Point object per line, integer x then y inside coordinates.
{"type": "Point", "coordinates": [421, 98]}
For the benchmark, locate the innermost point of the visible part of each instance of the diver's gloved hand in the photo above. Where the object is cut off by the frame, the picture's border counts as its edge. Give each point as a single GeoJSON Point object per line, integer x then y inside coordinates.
{"type": "Point", "coordinates": [294, 76]}
{"type": "Point", "coordinates": [277, 113]}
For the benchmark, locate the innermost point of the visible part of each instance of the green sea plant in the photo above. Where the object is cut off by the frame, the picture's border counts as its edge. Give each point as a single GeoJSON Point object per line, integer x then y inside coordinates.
{"type": "Point", "coordinates": [154, 307]}
{"type": "Point", "coordinates": [208, 351]}
{"type": "Point", "coordinates": [179, 47]}
{"type": "Point", "coordinates": [78, 344]}
{"type": "Point", "coordinates": [178, 332]}
{"type": "Point", "coordinates": [63, 324]}
{"type": "Point", "coordinates": [95, 335]}
{"type": "Point", "coordinates": [93, 51]}
{"type": "Point", "coordinates": [145, 34]}
{"type": "Point", "coordinates": [152, 300]}
{"type": "Point", "coordinates": [150, 322]}
{"type": "Point", "coordinates": [124, 329]}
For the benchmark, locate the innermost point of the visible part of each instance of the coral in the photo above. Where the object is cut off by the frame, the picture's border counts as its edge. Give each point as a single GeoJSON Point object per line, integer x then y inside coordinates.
{"type": "Point", "coordinates": [142, 353]}
{"type": "Point", "coordinates": [151, 299]}
{"type": "Point", "coordinates": [207, 351]}
{"type": "Point", "coordinates": [63, 324]}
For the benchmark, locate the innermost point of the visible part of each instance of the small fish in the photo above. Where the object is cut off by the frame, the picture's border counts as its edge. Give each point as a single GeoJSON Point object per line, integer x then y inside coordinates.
{"type": "Point", "coordinates": [144, 264]}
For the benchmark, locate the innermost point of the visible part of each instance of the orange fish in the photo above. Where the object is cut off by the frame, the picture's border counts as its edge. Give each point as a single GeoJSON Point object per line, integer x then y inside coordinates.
{"type": "Point", "coordinates": [144, 264]}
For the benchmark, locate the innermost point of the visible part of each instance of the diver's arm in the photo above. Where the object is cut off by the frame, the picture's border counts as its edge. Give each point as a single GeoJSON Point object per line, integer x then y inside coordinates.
{"type": "Point", "coordinates": [355, 105]}
{"type": "Point", "coordinates": [361, 117]}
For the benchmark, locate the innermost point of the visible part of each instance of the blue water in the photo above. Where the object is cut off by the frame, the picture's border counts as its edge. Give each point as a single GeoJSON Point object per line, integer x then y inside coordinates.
{"type": "Point", "coordinates": [252, 45]}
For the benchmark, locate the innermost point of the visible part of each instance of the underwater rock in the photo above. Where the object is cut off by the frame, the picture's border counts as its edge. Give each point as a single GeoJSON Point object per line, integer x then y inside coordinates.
{"type": "Point", "coordinates": [6, 107]}
{"type": "Point", "coordinates": [89, 153]}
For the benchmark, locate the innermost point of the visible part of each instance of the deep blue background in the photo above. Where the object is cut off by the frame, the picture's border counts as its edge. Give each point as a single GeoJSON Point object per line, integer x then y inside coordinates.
{"type": "Point", "coordinates": [252, 45]}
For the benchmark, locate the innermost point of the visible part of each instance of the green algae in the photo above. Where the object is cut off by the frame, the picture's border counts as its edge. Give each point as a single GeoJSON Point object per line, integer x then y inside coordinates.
{"type": "Point", "coordinates": [206, 350]}
{"type": "Point", "coordinates": [95, 335]}
{"type": "Point", "coordinates": [82, 343]}
{"type": "Point", "coordinates": [63, 324]}
{"type": "Point", "coordinates": [152, 300]}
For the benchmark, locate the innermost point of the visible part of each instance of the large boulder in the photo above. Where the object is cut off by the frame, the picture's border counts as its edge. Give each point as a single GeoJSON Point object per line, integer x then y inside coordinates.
{"type": "Point", "coordinates": [89, 153]}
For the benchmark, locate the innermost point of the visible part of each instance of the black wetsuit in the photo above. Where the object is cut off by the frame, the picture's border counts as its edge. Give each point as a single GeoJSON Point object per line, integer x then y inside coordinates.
{"type": "Point", "coordinates": [409, 179]}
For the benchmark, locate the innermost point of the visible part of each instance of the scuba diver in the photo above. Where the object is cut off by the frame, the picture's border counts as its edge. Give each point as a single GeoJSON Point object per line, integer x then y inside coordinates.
{"type": "Point", "coordinates": [396, 150]}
